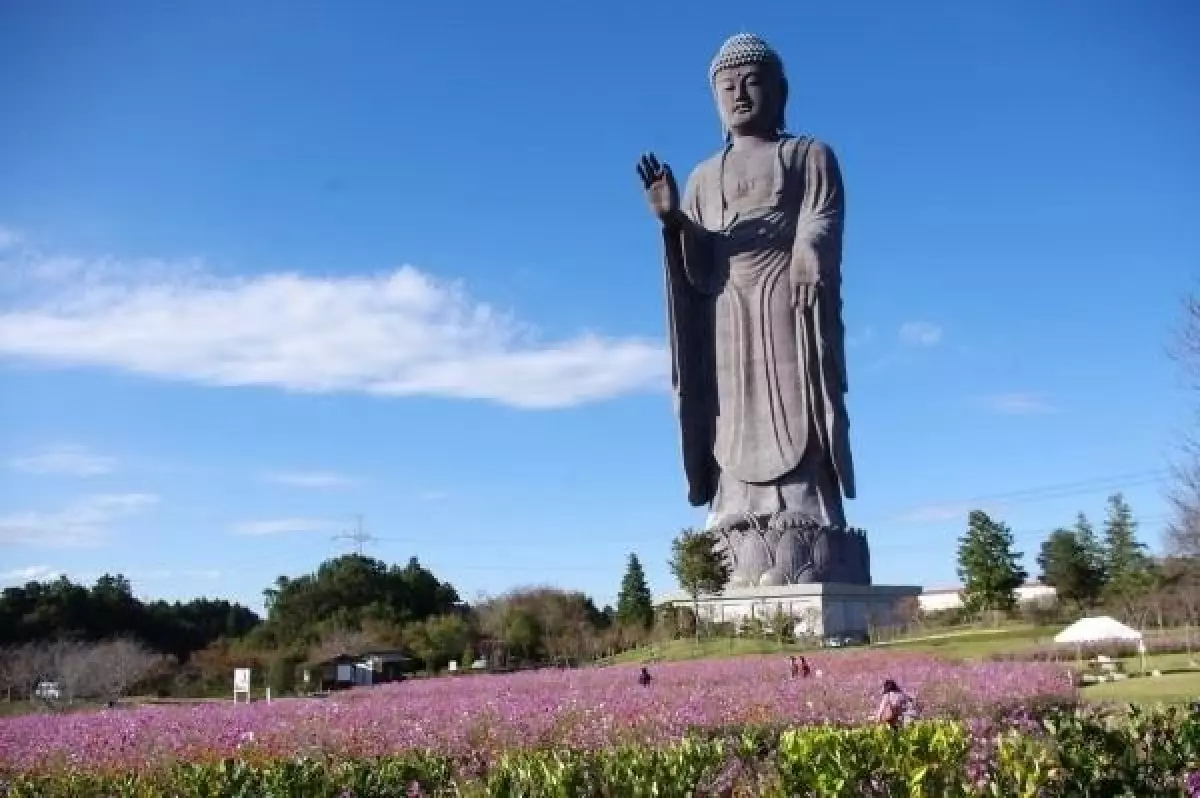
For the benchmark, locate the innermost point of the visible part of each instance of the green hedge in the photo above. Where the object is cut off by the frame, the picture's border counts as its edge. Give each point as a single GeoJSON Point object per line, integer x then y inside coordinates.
{"type": "Point", "coordinates": [1074, 753]}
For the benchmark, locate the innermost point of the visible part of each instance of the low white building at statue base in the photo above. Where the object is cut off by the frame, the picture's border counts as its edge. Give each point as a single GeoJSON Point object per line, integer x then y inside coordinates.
{"type": "Point", "coordinates": [819, 610]}
{"type": "Point", "coordinates": [950, 598]}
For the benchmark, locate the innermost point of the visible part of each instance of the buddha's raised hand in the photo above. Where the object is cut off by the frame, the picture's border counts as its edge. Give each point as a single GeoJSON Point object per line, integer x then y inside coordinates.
{"type": "Point", "coordinates": [661, 191]}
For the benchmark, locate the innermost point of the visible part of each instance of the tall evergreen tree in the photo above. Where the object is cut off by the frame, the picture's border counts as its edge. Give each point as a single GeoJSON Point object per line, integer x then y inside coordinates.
{"type": "Point", "coordinates": [698, 567]}
{"type": "Point", "coordinates": [1126, 562]}
{"type": "Point", "coordinates": [1094, 549]}
{"type": "Point", "coordinates": [1068, 567]}
{"type": "Point", "coordinates": [990, 570]}
{"type": "Point", "coordinates": [635, 605]}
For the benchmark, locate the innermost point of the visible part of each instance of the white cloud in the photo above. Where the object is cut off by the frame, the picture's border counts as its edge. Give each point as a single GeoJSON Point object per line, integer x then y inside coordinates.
{"type": "Point", "coordinates": [920, 333]}
{"type": "Point", "coordinates": [311, 479]}
{"type": "Point", "coordinates": [84, 523]}
{"type": "Point", "coordinates": [396, 333]}
{"type": "Point", "coordinates": [9, 238]}
{"type": "Point", "coordinates": [283, 526]}
{"type": "Point", "coordinates": [75, 461]}
{"type": "Point", "coordinates": [1018, 404]}
{"type": "Point", "coordinates": [862, 338]}
{"type": "Point", "coordinates": [435, 495]}
{"type": "Point", "coordinates": [32, 573]}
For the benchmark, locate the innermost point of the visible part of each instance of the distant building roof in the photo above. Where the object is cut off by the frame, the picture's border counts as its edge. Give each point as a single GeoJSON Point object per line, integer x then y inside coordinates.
{"type": "Point", "coordinates": [940, 591]}
{"type": "Point", "coordinates": [390, 654]}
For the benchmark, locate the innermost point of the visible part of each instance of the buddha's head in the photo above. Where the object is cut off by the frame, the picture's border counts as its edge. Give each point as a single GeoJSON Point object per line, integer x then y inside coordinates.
{"type": "Point", "coordinates": [750, 87]}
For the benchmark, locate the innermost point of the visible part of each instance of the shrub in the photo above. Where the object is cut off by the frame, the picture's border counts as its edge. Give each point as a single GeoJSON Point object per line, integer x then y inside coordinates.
{"type": "Point", "coordinates": [281, 673]}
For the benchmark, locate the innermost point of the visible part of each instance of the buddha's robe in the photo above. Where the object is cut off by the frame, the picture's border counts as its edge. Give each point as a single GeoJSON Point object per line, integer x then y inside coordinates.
{"type": "Point", "coordinates": [760, 380]}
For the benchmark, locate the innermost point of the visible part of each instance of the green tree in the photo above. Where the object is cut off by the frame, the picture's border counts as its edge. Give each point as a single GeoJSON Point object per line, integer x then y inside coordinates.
{"type": "Point", "coordinates": [438, 639]}
{"type": "Point", "coordinates": [523, 633]}
{"type": "Point", "coordinates": [990, 570]}
{"type": "Point", "coordinates": [1127, 565]}
{"type": "Point", "coordinates": [347, 591]}
{"type": "Point", "coordinates": [698, 566]}
{"type": "Point", "coordinates": [281, 672]}
{"type": "Point", "coordinates": [40, 611]}
{"type": "Point", "coordinates": [1094, 549]}
{"type": "Point", "coordinates": [635, 605]}
{"type": "Point", "coordinates": [1069, 567]}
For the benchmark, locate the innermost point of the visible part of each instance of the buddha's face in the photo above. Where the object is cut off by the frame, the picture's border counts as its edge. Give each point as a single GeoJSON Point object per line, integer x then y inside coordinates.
{"type": "Point", "coordinates": [749, 98]}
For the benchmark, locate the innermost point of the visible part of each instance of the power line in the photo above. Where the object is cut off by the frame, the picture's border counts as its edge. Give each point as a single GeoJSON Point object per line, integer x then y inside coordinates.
{"type": "Point", "coordinates": [1064, 489]}
{"type": "Point", "coordinates": [1021, 496]}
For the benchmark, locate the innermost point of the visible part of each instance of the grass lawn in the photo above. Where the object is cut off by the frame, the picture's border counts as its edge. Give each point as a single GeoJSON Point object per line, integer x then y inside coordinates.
{"type": "Point", "coordinates": [960, 643]}
{"type": "Point", "coordinates": [677, 650]}
{"type": "Point", "coordinates": [1170, 688]}
{"type": "Point", "coordinates": [974, 643]}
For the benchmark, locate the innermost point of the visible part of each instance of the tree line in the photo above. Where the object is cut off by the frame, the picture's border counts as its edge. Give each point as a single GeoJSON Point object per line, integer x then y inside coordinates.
{"type": "Point", "coordinates": [1111, 569]}
{"type": "Point", "coordinates": [63, 610]}
{"type": "Point", "coordinates": [1114, 568]}
{"type": "Point", "coordinates": [62, 632]}
{"type": "Point", "coordinates": [67, 670]}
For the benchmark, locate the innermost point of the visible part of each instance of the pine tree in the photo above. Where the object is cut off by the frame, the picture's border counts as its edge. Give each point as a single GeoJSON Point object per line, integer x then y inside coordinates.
{"type": "Point", "coordinates": [1062, 562]}
{"type": "Point", "coordinates": [635, 605]}
{"type": "Point", "coordinates": [990, 570]}
{"type": "Point", "coordinates": [1097, 560]}
{"type": "Point", "coordinates": [1126, 562]}
{"type": "Point", "coordinates": [698, 567]}
{"type": "Point", "coordinates": [1067, 566]}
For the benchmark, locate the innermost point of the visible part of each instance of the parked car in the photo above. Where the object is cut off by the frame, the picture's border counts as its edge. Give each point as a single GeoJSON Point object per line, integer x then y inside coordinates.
{"type": "Point", "coordinates": [842, 641]}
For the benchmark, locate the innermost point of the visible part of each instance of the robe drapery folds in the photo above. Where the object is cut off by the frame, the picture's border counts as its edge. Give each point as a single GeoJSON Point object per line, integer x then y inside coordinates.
{"type": "Point", "coordinates": [759, 381]}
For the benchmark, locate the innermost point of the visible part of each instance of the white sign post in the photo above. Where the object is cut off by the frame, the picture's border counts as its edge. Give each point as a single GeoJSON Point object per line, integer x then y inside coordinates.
{"type": "Point", "coordinates": [241, 683]}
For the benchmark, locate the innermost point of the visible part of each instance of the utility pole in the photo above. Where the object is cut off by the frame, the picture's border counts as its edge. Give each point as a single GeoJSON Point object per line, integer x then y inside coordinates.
{"type": "Point", "coordinates": [359, 537]}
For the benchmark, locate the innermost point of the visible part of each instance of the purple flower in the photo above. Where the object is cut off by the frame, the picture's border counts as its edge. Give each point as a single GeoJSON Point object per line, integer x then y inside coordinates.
{"type": "Point", "coordinates": [477, 719]}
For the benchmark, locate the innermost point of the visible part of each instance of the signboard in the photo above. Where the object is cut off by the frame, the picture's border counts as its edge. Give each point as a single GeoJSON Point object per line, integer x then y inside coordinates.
{"type": "Point", "coordinates": [241, 683]}
{"type": "Point", "coordinates": [345, 673]}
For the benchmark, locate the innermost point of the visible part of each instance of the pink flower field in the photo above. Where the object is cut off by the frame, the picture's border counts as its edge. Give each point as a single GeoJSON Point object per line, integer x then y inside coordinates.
{"type": "Point", "coordinates": [480, 717]}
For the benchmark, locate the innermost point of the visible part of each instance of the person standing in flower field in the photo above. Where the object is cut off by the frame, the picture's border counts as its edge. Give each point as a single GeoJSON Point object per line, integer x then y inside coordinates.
{"type": "Point", "coordinates": [800, 667]}
{"type": "Point", "coordinates": [897, 708]}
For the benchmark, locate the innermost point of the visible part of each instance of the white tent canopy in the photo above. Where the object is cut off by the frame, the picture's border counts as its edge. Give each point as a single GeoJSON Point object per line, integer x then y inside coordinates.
{"type": "Point", "coordinates": [1100, 629]}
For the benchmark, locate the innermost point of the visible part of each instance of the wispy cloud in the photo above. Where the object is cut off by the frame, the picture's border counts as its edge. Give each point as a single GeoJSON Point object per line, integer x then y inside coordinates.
{"type": "Point", "coordinates": [920, 333]}
{"type": "Point", "coordinates": [9, 238]}
{"type": "Point", "coordinates": [84, 523]}
{"type": "Point", "coordinates": [1018, 404]}
{"type": "Point", "coordinates": [395, 333]}
{"type": "Point", "coordinates": [31, 573]}
{"type": "Point", "coordinates": [75, 461]}
{"type": "Point", "coordinates": [283, 526]}
{"type": "Point", "coordinates": [435, 495]}
{"type": "Point", "coordinates": [311, 479]}
{"type": "Point", "coordinates": [861, 338]}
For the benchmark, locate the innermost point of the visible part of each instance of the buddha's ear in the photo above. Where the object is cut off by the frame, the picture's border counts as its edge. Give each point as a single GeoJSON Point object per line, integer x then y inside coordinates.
{"type": "Point", "coordinates": [781, 124]}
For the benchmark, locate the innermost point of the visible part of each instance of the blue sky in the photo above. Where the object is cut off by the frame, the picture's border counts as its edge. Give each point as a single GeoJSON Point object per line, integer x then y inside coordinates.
{"type": "Point", "coordinates": [266, 266]}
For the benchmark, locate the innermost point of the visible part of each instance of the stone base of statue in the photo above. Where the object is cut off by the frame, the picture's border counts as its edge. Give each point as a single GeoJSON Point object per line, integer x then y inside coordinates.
{"type": "Point", "coordinates": [792, 549]}
{"type": "Point", "coordinates": [816, 610]}
{"type": "Point", "coordinates": [789, 565]}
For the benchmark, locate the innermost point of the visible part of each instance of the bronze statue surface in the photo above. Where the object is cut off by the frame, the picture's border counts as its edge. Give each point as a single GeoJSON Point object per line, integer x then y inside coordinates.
{"type": "Point", "coordinates": [753, 252]}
